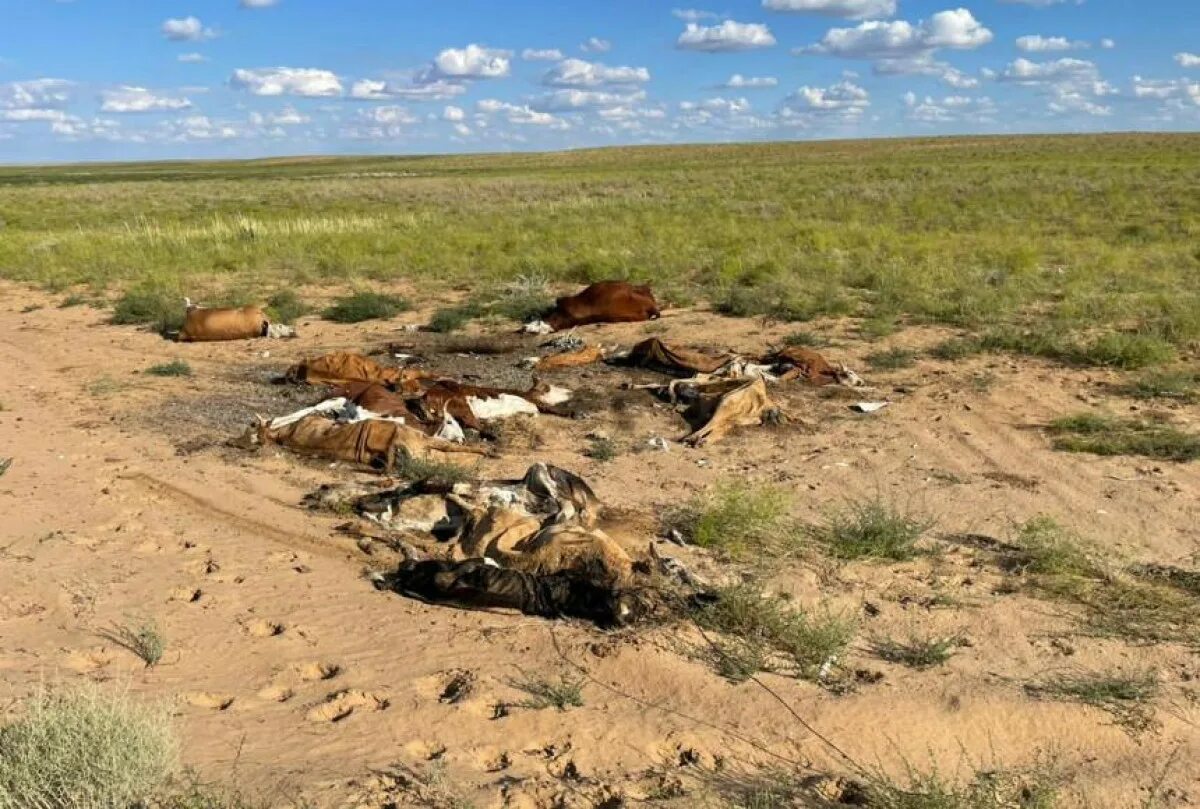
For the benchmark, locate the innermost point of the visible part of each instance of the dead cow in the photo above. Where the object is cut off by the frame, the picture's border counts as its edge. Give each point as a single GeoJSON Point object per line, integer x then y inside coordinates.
{"type": "Point", "coordinates": [743, 406]}
{"type": "Point", "coordinates": [371, 443]}
{"type": "Point", "coordinates": [211, 325]}
{"type": "Point", "coordinates": [344, 368]}
{"type": "Point", "coordinates": [604, 302]}
{"type": "Point", "coordinates": [804, 363]}
{"type": "Point", "coordinates": [477, 583]}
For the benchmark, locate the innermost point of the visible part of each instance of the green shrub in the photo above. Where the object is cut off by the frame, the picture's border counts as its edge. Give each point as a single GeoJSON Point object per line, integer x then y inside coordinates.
{"type": "Point", "coordinates": [957, 348]}
{"type": "Point", "coordinates": [916, 652]}
{"type": "Point", "coordinates": [1107, 435]}
{"type": "Point", "coordinates": [423, 470]}
{"type": "Point", "coordinates": [143, 638]}
{"type": "Point", "coordinates": [560, 693]}
{"type": "Point", "coordinates": [892, 359]}
{"type": "Point", "coordinates": [453, 318]}
{"type": "Point", "coordinates": [366, 306]}
{"type": "Point", "coordinates": [85, 749]}
{"type": "Point", "coordinates": [172, 368]}
{"type": "Point", "coordinates": [159, 307]}
{"type": "Point", "coordinates": [1179, 384]}
{"type": "Point", "coordinates": [738, 519]}
{"type": "Point", "coordinates": [871, 528]}
{"type": "Point", "coordinates": [285, 306]}
{"type": "Point", "coordinates": [757, 628]}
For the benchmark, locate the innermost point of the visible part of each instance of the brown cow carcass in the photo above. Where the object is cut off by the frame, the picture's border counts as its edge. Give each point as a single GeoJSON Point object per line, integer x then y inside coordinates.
{"type": "Point", "coordinates": [212, 325]}
{"type": "Point", "coordinates": [602, 302]}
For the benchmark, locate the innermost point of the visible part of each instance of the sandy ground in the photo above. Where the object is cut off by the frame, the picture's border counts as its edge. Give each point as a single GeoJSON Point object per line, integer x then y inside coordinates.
{"type": "Point", "coordinates": [293, 677]}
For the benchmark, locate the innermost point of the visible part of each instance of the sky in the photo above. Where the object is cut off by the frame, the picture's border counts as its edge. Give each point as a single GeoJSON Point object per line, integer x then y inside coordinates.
{"type": "Point", "coordinates": [159, 79]}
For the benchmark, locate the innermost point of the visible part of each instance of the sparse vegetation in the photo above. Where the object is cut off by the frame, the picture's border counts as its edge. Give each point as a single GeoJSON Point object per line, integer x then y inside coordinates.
{"type": "Point", "coordinates": [172, 368]}
{"type": "Point", "coordinates": [366, 306]}
{"type": "Point", "coordinates": [602, 449]}
{"type": "Point", "coordinates": [286, 306]}
{"type": "Point", "coordinates": [453, 318]}
{"type": "Point", "coordinates": [156, 305]}
{"type": "Point", "coordinates": [1179, 384]}
{"type": "Point", "coordinates": [761, 632]}
{"type": "Point", "coordinates": [5, 465]}
{"type": "Point", "coordinates": [871, 528]}
{"type": "Point", "coordinates": [560, 692]}
{"type": "Point", "coordinates": [106, 386]}
{"type": "Point", "coordinates": [423, 470]}
{"type": "Point", "coordinates": [1107, 435]}
{"type": "Point", "coordinates": [1113, 349]}
{"type": "Point", "coordinates": [143, 638]}
{"type": "Point", "coordinates": [892, 359]}
{"type": "Point", "coordinates": [1126, 697]}
{"type": "Point", "coordinates": [956, 348]}
{"type": "Point", "coordinates": [743, 521]}
{"type": "Point", "coordinates": [916, 652]}
{"type": "Point", "coordinates": [806, 339]}
{"type": "Point", "coordinates": [85, 749]}
{"type": "Point", "coordinates": [988, 789]}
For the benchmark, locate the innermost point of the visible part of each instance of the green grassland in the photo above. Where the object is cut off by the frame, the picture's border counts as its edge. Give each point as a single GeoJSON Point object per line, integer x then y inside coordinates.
{"type": "Point", "coordinates": [1065, 238]}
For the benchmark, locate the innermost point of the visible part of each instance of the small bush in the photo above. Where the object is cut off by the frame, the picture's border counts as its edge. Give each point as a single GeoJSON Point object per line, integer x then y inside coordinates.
{"type": "Point", "coordinates": [992, 789]}
{"type": "Point", "coordinates": [915, 652]}
{"type": "Point", "coordinates": [155, 306]}
{"type": "Point", "coordinates": [1180, 385]}
{"type": "Point", "coordinates": [285, 306]}
{"type": "Point", "coordinates": [1048, 549]}
{"type": "Point", "coordinates": [871, 528]}
{"type": "Point", "coordinates": [85, 749]}
{"type": "Point", "coordinates": [560, 693]}
{"type": "Point", "coordinates": [1106, 435]}
{"type": "Point", "coordinates": [758, 628]}
{"type": "Point", "coordinates": [1113, 350]}
{"type": "Point", "coordinates": [806, 339]}
{"type": "Point", "coordinates": [956, 348]}
{"type": "Point", "coordinates": [892, 359]}
{"type": "Point", "coordinates": [453, 318]}
{"type": "Point", "coordinates": [172, 368]}
{"type": "Point", "coordinates": [5, 465]}
{"type": "Point", "coordinates": [422, 470]}
{"type": "Point", "coordinates": [366, 306]}
{"type": "Point", "coordinates": [1123, 696]}
{"type": "Point", "coordinates": [602, 450]}
{"type": "Point", "coordinates": [72, 300]}
{"type": "Point", "coordinates": [738, 519]}
{"type": "Point", "coordinates": [522, 304]}
{"type": "Point", "coordinates": [143, 639]}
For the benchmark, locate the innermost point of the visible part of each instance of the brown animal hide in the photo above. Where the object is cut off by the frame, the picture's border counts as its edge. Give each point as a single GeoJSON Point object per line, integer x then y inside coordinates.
{"type": "Point", "coordinates": [570, 359]}
{"type": "Point", "coordinates": [604, 302]}
{"type": "Point", "coordinates": [211, 325]}
{"type": "Point", "coordinates": [475, 583]}
{"type": "Point", "coordinates": [658, 356]}
{"type": "Point", "coordinates": [343, 368]}
{"type": "Point", "coordinates": [376, 398]}
{"type": "Point", "coordinates": [804, 363]}
{"type": "Point", "coordinates": [744, 406]}
{"type": "Point", "coordinates": [371, 443]}
{"type": "Point", "coordinates": [449, 396]}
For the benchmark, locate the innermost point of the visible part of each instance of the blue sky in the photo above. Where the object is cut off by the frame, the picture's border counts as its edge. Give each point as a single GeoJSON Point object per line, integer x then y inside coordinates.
{"type": "Point", "coordinates": [150, 79]}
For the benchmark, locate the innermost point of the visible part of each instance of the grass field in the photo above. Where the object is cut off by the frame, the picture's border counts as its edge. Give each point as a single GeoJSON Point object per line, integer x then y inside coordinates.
{"type": "Point", "coordinates": [1064, 238]}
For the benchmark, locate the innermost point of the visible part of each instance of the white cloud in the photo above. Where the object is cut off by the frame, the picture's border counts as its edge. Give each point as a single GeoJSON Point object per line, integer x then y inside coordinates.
{"type": "Point", "coordinates": [288, 116]}
{"type": "Point", "coordinates": [471, 62]}
{"type": "Point", "coordinates": [1187, 60]}
{"type": "Point", "coordinates": [1108, 44]}
{"type": "Point", "coordinates": [191, 58]}
{"type": "Point", "coordinates": [956, 29]}
{"type": "Point", "coordinates": [375, 90]}
{"type": "Point", "coordinates": [1035, 43]}
{"type": "Point", "coordinates": [541, 55]}
{"type": "Point", "coordinates": [1023, 71]}
{"type": "Point", "coordinates": [1164, 89]}
{"type": "Point", "coordinates": [521, 114]}
{"type": "Point", "coordinates": [257, 3]}
{"type": "Point", "coordinates": [949, 109]}
{"type": "Point", "coordinates": [35, 93]}
{"type": "Point", "coordinates": [307, 82]}
{"type": "Point", "coordinates": [575, 100]}
{"type": "Point", "coordinates": [854, 9]}
{"type": "Point", "coordinates": [737, 82]}
{"type": "Point", "coordinates": [451, 113]}
{"type": "Point", "coordinates": [26, 115]}
{"type": "Point", "coordinates": [844, 99]}
{"type": "Point", "coordinates": [186, 29]}
{"type": "Point", "coordinates": [579, 73]}
{"type": "Point", "coordinates": [693, 15]}
{"type": "Point", "coordinates": [726, 37]}
{"type": "Point", "coordinates": [596, 45]}
{"type": "Point", "coordinates": [139, 99]}
{"type": "Point", "coordinates": [388, 116]}
{"type": "Point", "coordinates": [925, 65]}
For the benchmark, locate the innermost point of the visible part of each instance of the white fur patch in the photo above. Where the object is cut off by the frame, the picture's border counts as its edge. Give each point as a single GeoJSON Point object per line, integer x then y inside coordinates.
{"type": "Point", "coordinates": [501, 407]}
{"type": "Point", "coordinates": [538, 327]}
{"type": "Point", "coordinates": [327, 406]}
{"type": "Point", "coordinates": [279, 331]}
{"type": "Point", "coordinates": [555, 395]}
{"type": "Point", "coordinates": [451, 430]}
